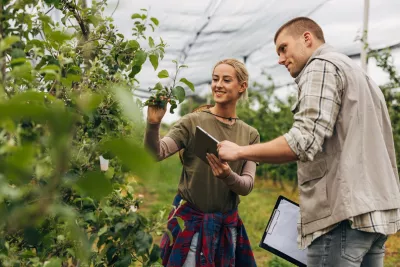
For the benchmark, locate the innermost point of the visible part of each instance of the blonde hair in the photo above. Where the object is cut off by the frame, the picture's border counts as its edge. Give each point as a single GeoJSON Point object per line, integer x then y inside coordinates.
{"type": "Point", "coordinates": [241, 73]}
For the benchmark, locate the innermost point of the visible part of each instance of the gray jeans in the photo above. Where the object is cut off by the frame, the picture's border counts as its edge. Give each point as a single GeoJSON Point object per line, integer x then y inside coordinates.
{"type": "Point", "coordinates": [344, 246]}
{"type": "Point", "coordinates": [191, 257]}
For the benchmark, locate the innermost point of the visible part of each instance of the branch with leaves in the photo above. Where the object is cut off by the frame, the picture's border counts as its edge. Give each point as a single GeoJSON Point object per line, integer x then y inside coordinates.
{"type": "Point", "coordinates": [162, 95]}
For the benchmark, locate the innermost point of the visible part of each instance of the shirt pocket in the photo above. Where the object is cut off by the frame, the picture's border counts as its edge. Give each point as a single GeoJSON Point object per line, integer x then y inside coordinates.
{"type": "Point", "coordinates": [314, 204]}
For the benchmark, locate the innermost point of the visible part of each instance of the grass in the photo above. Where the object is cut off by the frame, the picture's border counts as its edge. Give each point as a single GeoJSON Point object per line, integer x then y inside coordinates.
{"type": "Point", "coordinates": [254, 209]}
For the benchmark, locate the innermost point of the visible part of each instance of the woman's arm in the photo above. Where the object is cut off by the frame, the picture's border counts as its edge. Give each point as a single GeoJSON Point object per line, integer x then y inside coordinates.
{"type": "Point", "coordinates": [240, 184]}
{"type": "Point", "coordinates": [160, 148]}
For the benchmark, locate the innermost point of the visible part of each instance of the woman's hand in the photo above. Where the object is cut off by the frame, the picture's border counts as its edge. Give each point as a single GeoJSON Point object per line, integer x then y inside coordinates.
{"type": "Point", "coordinates": [220, 169]}
{"type": "Point", "coordinates": [155, 113]}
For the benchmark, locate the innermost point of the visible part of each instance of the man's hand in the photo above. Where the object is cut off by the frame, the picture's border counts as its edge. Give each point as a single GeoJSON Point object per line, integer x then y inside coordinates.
{"type": "Point", "coordinates": [155, 114]}
{"type": "Point", "coordinates": [219, 168]}
{"type": "Point", "coordinates": [228, 151]}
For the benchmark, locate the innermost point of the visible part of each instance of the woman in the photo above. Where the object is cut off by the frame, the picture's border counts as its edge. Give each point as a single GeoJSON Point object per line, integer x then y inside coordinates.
{"type": "Point", "coordinates": [214, 234]}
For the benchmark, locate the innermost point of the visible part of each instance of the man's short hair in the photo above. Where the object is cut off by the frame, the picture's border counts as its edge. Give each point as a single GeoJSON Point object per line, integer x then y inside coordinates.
{"type": "Point", "coordinates": [299, 25]}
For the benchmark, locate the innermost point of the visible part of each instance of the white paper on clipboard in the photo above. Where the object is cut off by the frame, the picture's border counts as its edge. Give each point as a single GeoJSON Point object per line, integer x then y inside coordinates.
{"type": "Point", "coordinates": [281, 233]}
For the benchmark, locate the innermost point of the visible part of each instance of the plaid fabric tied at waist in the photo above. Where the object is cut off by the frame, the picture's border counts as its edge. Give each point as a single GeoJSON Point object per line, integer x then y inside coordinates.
{"type": "Point", "coordinates": [211, 227]}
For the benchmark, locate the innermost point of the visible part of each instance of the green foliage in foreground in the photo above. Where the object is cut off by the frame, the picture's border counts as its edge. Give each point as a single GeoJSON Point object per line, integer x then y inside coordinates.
{"type": "Point", "coordinates": [65, 101]}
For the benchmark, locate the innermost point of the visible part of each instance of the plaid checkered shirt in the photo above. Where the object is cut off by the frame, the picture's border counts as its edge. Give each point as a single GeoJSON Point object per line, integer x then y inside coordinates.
{"type": "Point", "coordinates": [210, 226]}
{"type": "Point", "coordinates": [315, 115]}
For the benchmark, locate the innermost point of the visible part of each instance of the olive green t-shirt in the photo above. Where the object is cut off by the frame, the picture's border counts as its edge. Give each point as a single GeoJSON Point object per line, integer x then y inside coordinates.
{"type": "Point", "coordinates": [197, 184]}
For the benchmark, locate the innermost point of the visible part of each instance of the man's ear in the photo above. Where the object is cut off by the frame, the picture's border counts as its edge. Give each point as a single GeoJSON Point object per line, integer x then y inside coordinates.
{"type": "Point", "coordinates": [308, 38]}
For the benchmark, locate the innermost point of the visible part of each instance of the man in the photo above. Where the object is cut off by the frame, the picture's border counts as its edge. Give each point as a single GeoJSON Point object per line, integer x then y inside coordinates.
{"type": "Point", "coordinates": [342, 139]}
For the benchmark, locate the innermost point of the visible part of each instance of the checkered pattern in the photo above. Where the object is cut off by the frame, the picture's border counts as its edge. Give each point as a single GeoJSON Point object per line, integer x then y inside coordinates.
{"type": "Point", "coordinates": [211, 227]}
{"type": "Point", "coordinates": [319, 101]}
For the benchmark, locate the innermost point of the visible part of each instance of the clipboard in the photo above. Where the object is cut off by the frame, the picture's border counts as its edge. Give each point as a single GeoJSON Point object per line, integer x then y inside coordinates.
{"type": "Point", "coordinates": [280, 235]}
{"type": "Point", "coordinates": [204, 143]}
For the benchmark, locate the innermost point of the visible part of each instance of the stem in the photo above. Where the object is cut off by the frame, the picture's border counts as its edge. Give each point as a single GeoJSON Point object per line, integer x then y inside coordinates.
{"type": "Point", "coordinates": [2, 55]}
{"type": "Point", "coordinates": [115, 8]}
{"type": "Point", "coordinates": [72, 9]}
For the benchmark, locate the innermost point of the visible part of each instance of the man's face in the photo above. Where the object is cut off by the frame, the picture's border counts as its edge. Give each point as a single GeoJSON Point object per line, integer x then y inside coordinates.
{"type": "Point", "coordinates": [292, 52]}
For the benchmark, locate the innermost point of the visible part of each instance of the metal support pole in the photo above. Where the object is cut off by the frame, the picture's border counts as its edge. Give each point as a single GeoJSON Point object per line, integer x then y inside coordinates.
{"type": "Point", "coordinates": [364, 63]}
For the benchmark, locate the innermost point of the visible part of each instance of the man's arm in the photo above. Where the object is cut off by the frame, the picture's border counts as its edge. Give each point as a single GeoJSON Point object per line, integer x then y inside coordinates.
{"type": "Point", "coordinates": [321, 89]}
{"type": "Point", "coordinates": [160, 148]}
{"type": "Point", "coordinates": [275, 151]}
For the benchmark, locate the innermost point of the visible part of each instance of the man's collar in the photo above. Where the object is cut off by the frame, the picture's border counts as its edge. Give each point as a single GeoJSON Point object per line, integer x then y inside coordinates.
{"type": "Point", "coordinates": [324, 48]}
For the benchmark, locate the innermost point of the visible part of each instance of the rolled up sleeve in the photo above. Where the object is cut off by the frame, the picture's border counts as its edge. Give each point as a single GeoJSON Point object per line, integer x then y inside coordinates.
{"type": "Point", "coordinates": [315, 114]}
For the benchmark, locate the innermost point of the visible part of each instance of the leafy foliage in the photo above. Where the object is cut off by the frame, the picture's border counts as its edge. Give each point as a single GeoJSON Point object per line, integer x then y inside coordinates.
{"type": "Point", "coordinates": [65, 100]}
{"type": "Point", "coordinates": [169, 94]}
{"type": "Point", "coordinates": [391, 91]}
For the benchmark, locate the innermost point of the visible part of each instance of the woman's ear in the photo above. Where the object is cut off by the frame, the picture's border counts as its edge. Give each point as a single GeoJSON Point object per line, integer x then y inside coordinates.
{"type": "Point", "coordinates": [243, 87]}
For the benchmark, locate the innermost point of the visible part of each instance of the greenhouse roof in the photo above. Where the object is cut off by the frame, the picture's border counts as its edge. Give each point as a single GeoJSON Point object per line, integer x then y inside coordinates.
{"type": "Point", "coordinates": [199, 33]}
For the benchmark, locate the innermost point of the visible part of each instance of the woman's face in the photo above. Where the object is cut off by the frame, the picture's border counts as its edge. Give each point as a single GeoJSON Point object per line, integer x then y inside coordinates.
{"type": "Point", "coordinates": [225, 85]}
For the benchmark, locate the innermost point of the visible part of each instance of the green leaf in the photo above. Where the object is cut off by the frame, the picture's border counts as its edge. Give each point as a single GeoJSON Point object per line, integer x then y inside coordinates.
{"type": "Point", "coordinates": [158, 86]}
{"type": "Point", "coordinates": [173, 106]}
{"type": "Point", "coordinates": [155, 253]}
{"type": "Point", "coordinates": [110, 253]}
{"type": "Point", "coordinates": [136, 16]}
{"type": "Point", "coordinates": [132, 155]}
{"type": "Point", "coordinates": [189, 84]}
{"type": "Point", "coordinates": [52, 72]}
{"type": "Point", "coordinates": [135, 70]}
{"type": "Point", "coordinates": [102, 230]}
{"type": "Point", "coordinates": [22, 72]}
{"type": "Point", "coordinates": [152, 27]}
{"type": "Point", "coordinates": [142, 242]}
{"type": "Point", "coordinates": [154, 61]}
{"type": "Point", "coordinates": [180, 222]}
{"type": "Point", "coordinates": [151, 42]}
{"type": "Point", "coordinates": [17, 53]}
{"type": "Point", "coordinates": [32, 236]}
{"type": "Point", "coordinates": [18, 165]}
{"type": "Point", "coordinates": [129, 107]}
{"type": "Point", "coordinates": [7, 42]}
{"type": "Point", "coordinates": [58, 37]}
{"type": "Point", "coordinates": [35, 43]}
{"type": "Point", "coordinates": [133, 44]}
{"type": "Point", "coordinates": [71, 252]}
{"type": "Point", "coordinates": [170, 237]}
{"type": "Point", "coordinates": [53, 262]}
{"type": "Point", "coordinates": [18, 61]}
{"type": "Point", "coordinates": [140, 58]}
{"type": "Point", "coordinates": [155, 21]}
{"type": "Point", "coordinates": [88, 102]}
{"type": "Point", "coordinates": [31, 96]}
{"type": "Point", "coordinates": [163, 74]}
{"type": "Point", "coordinates": [110, 173]}
{"type": "Point", "coordinates": [125, 262]}
{"type": "Point", "coordinates": [90, 217]}
{"type": "Point", "coordinates": [67, 81]}
{"type": "Point", "coordinates": [179, 93]}
{"type": "Point", "coordinates": [52, 2]}
{"type": "Point", "coordinates": [95, 185]}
